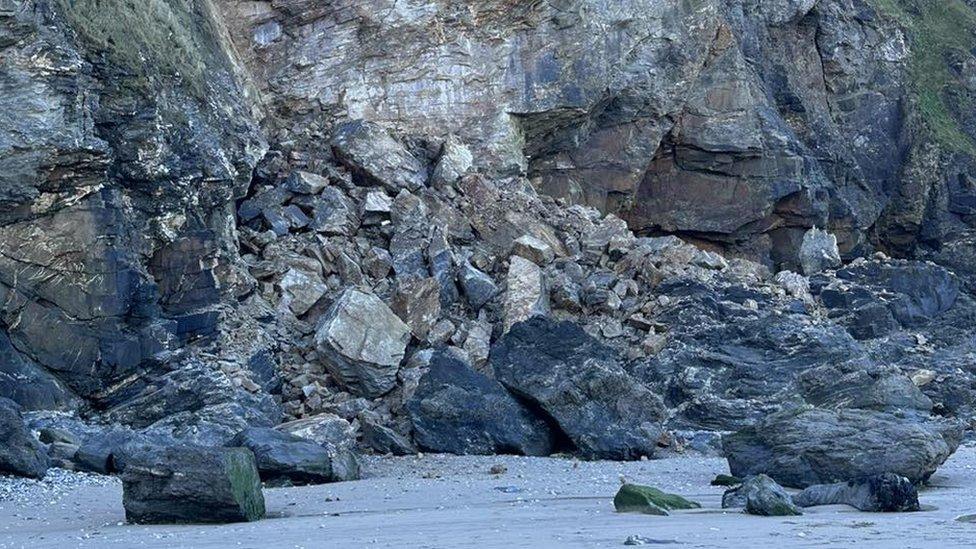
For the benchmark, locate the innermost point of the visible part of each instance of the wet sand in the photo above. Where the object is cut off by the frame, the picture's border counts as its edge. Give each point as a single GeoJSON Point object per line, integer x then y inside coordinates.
{"type": "Point", "coordinates": [454, 502]}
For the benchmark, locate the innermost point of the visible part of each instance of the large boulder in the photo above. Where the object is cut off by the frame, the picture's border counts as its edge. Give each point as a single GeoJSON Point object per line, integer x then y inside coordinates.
{"type": "Point", "coordinates": [376, 158]}
{"type": "Point", "coordinates": [460, 411]}
{"type": "Point", "coordinates": [802, 447]}
{"type": "Point", "coordinates": [285, 459]}
{"type": "Point", "coordinates": [362, 343]}
{"type": "Point", "coordinates": [191, 484]}
{"type": "Point", "coordinates": [580, 384]}
{"type": "Point", "coordinates": [20, 453]}
{"type": "Point", "coordinates": [887, 493]}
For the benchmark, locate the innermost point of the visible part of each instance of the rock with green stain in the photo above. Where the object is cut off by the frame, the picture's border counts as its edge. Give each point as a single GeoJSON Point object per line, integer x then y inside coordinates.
{"type": "Point", "coordinates": [191, 484]}
{"type": "Point", "coordinates": [726, 480]}
{"type": "Point", "coordinates": [634, 498]}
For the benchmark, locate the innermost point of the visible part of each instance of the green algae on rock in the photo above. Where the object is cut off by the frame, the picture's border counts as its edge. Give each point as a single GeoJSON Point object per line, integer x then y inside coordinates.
{"type": "Point", "coordinates": [635, 498]}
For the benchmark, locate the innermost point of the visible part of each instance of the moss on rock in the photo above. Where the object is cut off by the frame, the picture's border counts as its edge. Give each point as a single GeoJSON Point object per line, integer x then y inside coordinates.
{"type": "Point", "coordinates": [634, 498]}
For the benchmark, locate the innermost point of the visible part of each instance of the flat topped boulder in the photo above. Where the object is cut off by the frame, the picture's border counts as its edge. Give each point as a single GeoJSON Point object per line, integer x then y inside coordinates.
{"type": "Point", "coordinates": [362, 342]}
{"type": "Point", "coordinates": [807, 446]}
{"type": "Point", "coordinates": [20, 452]}
{"type": "Point", "coordinates": [191, 484]}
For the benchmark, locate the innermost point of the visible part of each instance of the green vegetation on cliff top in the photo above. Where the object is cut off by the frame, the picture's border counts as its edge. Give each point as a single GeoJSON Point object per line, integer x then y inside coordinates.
{"type": "Point", "coordinates": [936, 28]}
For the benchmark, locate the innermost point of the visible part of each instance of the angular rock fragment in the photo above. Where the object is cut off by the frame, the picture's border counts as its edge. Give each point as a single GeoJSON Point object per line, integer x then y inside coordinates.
{"type": "Point", "coordinates": [527, 294]}
{"type": "Point", "coordinates": [819, 252]}
{"type": "Point", "coordinates": [192, 484]}
{"type": "Point", "coordinates": [302, 290]}
{"type": "Point", "coordinates": [534, 250]}
{"type": "Point", "coordinates": [334, 214]}
{"type": "Point", "coordinates": [306, 183]}
{"type": "Point", "coordinates": [887, 493]}
{"type": "Point", "coordinates": [383, 440]}
{"type": "Point", "coordinates": [376, 158]}
{"type": "Point", "coordinates": [635, 498]}
{"type": "Point", "coordinates": [581, 385]}
{"type": "Point", "coordinates": [362, 343]}
{"type": "Point", "coordinates": [760, 495]}
{"type": "Point", "coordinates": [20, 453]}
{"type": "Point", "coordinates": [455, 161]}
{"type": "Point", "coordinates": [457, 410]}
{"type": "Point", "coordinates": [417, 302]}
{"type": "Point", "coordinates": [478, 287]}
{"type": "Point", "coordinates": [808, 446]}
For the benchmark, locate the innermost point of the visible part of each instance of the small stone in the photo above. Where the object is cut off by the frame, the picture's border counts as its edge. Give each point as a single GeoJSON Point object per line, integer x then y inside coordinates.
{"type": "Point", "coordinates": [498, 469]}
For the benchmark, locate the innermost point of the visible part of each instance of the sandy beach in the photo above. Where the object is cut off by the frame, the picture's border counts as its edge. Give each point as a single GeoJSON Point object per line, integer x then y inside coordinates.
{"type": "Point", "coordinates": [452, 502]}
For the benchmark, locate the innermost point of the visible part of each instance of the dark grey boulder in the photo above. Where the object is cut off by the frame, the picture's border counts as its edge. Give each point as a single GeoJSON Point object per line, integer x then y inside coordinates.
{"type": "Point", "coordinates": [761, 495]}
{"type": "Point", "coordinates": [192, 484]}
{"type": "Point", "coordinates": [20, 453]}
{"type": "Point", "coordinates": [807, 446]}
{"type": "Point", "coordinates": [383, 440]}
{"type": "Point", "coordinates": [887, 493]}
{"type": "Point", "coordinates": [478, 287]}
{"type": "Point", "coordinates": [460, 411]}
{"type": "Point", "coordinates": [284, 459]}
{"type": "Point", "coordinates": [580, 384]}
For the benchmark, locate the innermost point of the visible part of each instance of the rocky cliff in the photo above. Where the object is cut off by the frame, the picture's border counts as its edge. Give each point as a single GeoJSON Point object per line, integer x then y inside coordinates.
{"type": "Point", "coordinates": [221, 213]}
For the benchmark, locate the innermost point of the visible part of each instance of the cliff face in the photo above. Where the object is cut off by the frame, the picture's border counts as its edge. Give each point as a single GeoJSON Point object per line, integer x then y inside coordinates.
{"type": "Point", "coordinates": [125, 140]}
{"type": "Point", "coordinates": [145, 147]}
{"type": "Point", "coordinates": [739, 123]}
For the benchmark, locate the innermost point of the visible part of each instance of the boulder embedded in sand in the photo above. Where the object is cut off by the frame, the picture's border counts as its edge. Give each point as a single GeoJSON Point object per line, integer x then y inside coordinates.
{"type": "Point", "coordinates": [581, 385]}
{"type": "Point", "coordinates": [20, 453]}
{"type": "Point", "coordinates": [362, 342]}
{"type": "Point", "coordinates": [807, 446]}
{"type": "Point", "coordinates": [285, 459]}
{"type": "Point", "coordinates": [887, 493]}
{"type": "Point", "coordinates": [192, 484]}
{"type": "Point", "coordinates": [634, 498]}
{"type": "Point", "coordinates": [761, 495]}
{"type": "Point", "coordinates": [460, 411]}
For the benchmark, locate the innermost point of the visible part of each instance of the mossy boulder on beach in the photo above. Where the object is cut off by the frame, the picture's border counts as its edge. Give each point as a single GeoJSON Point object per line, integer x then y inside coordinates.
{"type": "Point", "coordinates": [634, 498]}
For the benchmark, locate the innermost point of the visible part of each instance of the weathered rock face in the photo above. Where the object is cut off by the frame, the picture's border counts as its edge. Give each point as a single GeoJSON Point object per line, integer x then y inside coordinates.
{"type": "Point", "coordinates": [123, 152]}
{"type": "Point", "coordinates": [581, 385]}
{"type": "Point", "coordinates": [811, 446]}
{"type": "Point", "coordinates": [20, 453]}
{"type": "Point", "coordinates": [191, 484]}
{"type": "Point", "coordinates": [457, 410]}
